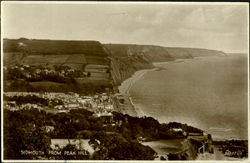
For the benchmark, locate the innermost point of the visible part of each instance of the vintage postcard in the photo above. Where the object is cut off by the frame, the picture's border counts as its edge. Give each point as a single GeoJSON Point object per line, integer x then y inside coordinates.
{"type": "Point", "coordinates": [124, 81]}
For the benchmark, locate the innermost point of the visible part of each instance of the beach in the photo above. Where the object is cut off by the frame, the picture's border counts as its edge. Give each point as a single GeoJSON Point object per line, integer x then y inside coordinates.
{"type": "Point", "coordinates": [126, 85]}
{"type": "Point", "coordinates": [130, 108]}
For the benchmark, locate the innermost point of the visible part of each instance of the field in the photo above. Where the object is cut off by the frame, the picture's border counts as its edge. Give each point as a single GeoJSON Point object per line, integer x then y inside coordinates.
{"type": "Point", "coordinates": [12, 58]}
{"type": "Point", "coordinates": [95, 70]}
{"type": "Point", "coordinates": [94, 81]}
{"type": "Point", "coordinates": [74, 61]}
{"type": "Point", "coordinates": [97, 60]}
{"type": "Point", "coordinates": [43, 59]}
{"type": "Point", "coordinates": [100, 75]}
{"type": "Point", "coordinates": [76, 58]}
{"type": "Point", "coordinates": [45, 84]}
{"type": "Point", "coordinates": [75, 66]}
{"type": "Point", "coordinates": [33, 46]}
{"type": "Point", "coordinates": [95, 66]}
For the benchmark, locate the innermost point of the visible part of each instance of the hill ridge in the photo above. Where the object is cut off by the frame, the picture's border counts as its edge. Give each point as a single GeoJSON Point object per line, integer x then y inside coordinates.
{"type": "Point", "coordinates": [122, 59]}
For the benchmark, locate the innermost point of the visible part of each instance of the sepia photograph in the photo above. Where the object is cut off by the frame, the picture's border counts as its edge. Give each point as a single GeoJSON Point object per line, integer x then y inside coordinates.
{"type": "Point", "coordinates": [159, 81]}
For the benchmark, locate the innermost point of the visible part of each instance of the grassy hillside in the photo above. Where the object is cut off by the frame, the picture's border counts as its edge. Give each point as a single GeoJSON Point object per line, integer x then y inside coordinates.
{"type": "Point", "coordinates": [53, 47]}
{"type": "Point", "coordinates": [50, 53]}
{"type": "Point", "coordinates": [123, 59]}
{"type": "Point", "coordinates": [191, 52]}
{"type": "Point", "coordinates": [148, 52]}
{"type": "Point", "coordinates": [26, 51]}
{"type": "Point", "coordinates": [12, 58]}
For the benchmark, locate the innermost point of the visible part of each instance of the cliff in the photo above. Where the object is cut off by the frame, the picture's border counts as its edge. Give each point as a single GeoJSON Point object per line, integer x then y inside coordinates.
{"type": "Point", "coordinates": [142, 56]}
{"type": "Point", "coordinates": [124, 67]}
{"type": "Point", "coordinates": [147, 52]}
{"type": "Point", "coordinates": [158, 53]}
{"type": "Point", "coordinates": [122, 59]}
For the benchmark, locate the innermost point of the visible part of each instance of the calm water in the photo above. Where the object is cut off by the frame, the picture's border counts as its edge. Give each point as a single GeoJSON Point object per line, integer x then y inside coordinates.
{"type": "Point", "coordinates": [207, 92]}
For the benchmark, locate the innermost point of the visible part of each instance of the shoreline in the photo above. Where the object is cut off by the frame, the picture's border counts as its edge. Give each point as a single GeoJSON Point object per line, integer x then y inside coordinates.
{"type": "Point", "coordinates": [125, 87]}
{"type": "Point", "coordinates": [127, 84]}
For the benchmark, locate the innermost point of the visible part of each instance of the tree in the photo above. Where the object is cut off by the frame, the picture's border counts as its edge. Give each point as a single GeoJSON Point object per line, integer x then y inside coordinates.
{"type": "Point", "coordinates": [25, 138]}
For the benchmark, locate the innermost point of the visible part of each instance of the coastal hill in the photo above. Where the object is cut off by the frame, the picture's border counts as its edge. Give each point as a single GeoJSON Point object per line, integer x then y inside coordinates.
{"type": "Point", "coordinates": [142, 56]}
{"type": "Point", "coordinates": [58, 47]}
{"type": "Point", "coordinates": [57, 65]}
{"type": "Point", "coordinates": [105, 64]}
{"type": "Point", "coordinates": [158, 53]}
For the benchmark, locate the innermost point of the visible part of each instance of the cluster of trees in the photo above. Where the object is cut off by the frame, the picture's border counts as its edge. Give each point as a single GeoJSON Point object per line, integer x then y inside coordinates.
{"type": "Point", "coordinates": [113, 146]}
{"type": "Point", "coordinates": [24, 86]}
{"type": "Point", "coordinates": [184, 127]}
{"type": "Point", "coordinates": [56, 75]}
{"type": "Point", "coordinates": [151, 129]}
{"type": "Point", "coordinates": [51, 77]}
{"type": "Point", "coordinates": [24, 130]}
{"type": "Point", "coordinates": [32, 99]}
{"type": "Point", "coordinates": [13, 73]}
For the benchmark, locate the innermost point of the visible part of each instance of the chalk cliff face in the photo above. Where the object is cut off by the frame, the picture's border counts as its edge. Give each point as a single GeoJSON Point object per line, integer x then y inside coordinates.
{"type": "Point", "coordinates": [128, 58]}
{"type": "Point", "coordinates": [148, 52]}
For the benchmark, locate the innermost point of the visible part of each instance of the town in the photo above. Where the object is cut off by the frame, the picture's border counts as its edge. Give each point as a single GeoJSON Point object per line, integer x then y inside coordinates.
{"type": "Point", "coordinates": [100, 104]}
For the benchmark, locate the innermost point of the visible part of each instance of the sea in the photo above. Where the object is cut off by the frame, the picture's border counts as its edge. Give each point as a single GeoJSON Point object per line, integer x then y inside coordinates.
{"type": "Point", "coordinates": [210, 93]}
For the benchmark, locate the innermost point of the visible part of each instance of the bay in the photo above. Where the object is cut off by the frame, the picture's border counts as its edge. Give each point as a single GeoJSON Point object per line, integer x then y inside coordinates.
{"type": "Point", "coordinates": [206, 92]}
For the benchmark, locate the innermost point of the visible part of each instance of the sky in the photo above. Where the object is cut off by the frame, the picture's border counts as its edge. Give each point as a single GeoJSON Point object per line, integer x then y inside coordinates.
{"type": "Point", "coordinates": [218, 26]}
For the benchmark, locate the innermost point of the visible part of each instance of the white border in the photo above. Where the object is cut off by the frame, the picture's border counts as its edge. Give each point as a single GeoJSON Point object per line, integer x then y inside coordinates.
{"type": "Point", "coordinates": [110, 2]}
